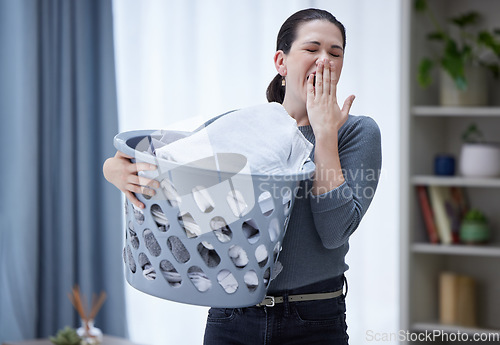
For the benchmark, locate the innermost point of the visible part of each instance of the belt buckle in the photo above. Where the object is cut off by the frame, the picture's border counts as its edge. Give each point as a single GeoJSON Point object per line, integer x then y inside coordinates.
{"type": "Point", "coordinates": [268, 301]}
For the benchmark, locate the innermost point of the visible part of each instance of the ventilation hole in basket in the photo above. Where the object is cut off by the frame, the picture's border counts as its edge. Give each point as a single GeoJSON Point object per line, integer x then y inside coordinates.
{"type": "Point", "coordinates": [276, 251]}
{"type": "Point", "coordinates": [151, 243]}
{"type": "Point", "coordinates": [178, 250]}
{"type": "Point", "coordinates": [170, 273]}
{"type": "Point", "coordinates": [266, 203]}
{"type": "Point", "coordinates": [160, 218]}
{"type": "Point", "coordinates": [261, 255]}
{"type": "Point", "coordinates": [221, 229]}
{"type": "Point", "coordinates": [170, 192]}
{"type": "Point", "coordinates": [130, 259]}
{"type": "Point", "coordinates": [134, 240]}
{"type": "Point", "coordinates": [274, 229]}
{"type": "Point", "coordinates": [147, 269]}
{"type": "Point", "coordinates": [251, 280]}
{"type": "Point", "coordinates": [237, 203]}
{"type": "Point", "coordinates": [139, 216]}
{"type": "Point", "coordinates": [191, 228]}
{"type": "Point", "coordinates": [203, 199]}
{"type": "Point", "coordinates": [251, 230]}
{"type": "Point", "coordinates": [227, 281]}
{"type": "Point", "coordinates": [238, 256]}
{"type": "Point", "coordinates": [287, 201]}
{"type": "Point", "coordinates": [199, 279]}
{"type": "Point", "coordinates": [208, 254]}
{"type": "Point", "coordinates": [266, 276]}
{"type": "Point", "coordinates": [146, 196]}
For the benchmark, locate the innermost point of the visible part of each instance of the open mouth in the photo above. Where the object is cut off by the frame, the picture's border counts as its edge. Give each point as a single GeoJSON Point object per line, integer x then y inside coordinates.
{"type": "Point", "coordinates": [314, 79]}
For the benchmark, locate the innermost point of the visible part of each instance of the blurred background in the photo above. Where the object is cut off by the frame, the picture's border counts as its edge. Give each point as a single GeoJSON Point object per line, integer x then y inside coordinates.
{"type": "Point", "coordinates": [75, 73]}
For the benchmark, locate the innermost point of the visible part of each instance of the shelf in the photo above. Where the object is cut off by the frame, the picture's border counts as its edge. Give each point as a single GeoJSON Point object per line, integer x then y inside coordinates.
{"type": "Point", "coordinates": [456, 111]}
{"type": "Point", "coordinates": [457, 181]}
{"type": "Point", "coordinates": [456, 249]}
{"type": "Point", "coordinates": [422, 327]}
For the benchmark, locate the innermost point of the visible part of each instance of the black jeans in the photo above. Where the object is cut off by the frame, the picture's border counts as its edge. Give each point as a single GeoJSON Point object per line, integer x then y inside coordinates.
{"type": "Point", "coordinates": [313, 322]}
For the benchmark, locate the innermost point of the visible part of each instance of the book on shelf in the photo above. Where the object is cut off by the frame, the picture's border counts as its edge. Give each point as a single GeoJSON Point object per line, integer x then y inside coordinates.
{"type": "Point", "coordinates": [457, 300]}
{"type": "Point", "coordinates": [438, 196]}
{"type": "Point", "coordinates": [427, 214]}
{"type": "Point", "coordinates": [457, 208]}
{"type": "Point", "coordinates": [442, 209]}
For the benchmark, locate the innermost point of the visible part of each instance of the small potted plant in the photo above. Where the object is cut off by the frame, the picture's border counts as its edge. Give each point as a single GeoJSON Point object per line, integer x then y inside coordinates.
{"type": "Point", "coordinates": [465, 55]}
{"type": "Point", "coordinates": [66, 336]}
{"type": "Point", "coordinates": [478, 158]}
{"type": "Point", "coordinates": [474, 228]}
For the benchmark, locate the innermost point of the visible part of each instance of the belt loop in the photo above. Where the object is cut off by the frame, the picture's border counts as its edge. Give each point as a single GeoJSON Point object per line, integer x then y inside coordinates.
{"type": "Point", "coordinates": [346, 286]}
{"type": "Point", "coordinates": [286, 304]}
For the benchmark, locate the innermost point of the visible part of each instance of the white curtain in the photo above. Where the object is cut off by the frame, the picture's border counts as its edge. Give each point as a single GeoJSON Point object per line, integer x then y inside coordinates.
{"type": "Point", "coordinates": [182, 62]}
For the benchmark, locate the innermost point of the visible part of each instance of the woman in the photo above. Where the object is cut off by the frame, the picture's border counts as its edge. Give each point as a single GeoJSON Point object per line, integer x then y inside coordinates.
{"type": "Point", "coordinates": [307, 304]}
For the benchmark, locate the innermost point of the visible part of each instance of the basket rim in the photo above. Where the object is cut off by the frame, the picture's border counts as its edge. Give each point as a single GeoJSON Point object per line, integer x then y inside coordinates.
{"type": "Point", "coordinates": [120, 143]}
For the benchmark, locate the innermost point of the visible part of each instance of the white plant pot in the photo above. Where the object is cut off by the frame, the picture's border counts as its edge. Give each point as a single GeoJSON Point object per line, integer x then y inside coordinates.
{"type": "Point", "coordinates": [480, 160]}
{"type": "Point", "coordinates": [476, 93]}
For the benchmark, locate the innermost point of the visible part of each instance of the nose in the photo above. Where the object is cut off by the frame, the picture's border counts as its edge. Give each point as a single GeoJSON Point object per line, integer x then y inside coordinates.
{"type": "Point", "coordinates": [322, 56]}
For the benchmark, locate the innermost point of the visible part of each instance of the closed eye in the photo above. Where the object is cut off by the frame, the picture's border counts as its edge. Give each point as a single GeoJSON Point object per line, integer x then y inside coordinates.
{"type": "Point", "coordinates": [334, 55]}
{"type": "Point", "coordinates": [311, 50]}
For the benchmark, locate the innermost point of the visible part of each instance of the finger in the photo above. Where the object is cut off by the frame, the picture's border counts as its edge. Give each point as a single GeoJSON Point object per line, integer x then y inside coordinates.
{"type": "Point", "coordinates": [335, 79]}
{"type": "Point", "coordinates": [123, 155]}
{"type": "Point", "coordinates": [327, 77]}
{"type": "Point", "coordinates": [135, 167]}
{"type": "Point", "coordinates": [347, 104]}
{"type": "Point", "coordinates": [310, 88]}
{"type": "Point", "coordinates": [139, 189]}
{"type": "Point", "coordinates": [131, 197]}
{"type": "Point", "coordinates": [141, 166]}
{"type": "Point", "coordinates": [319, 79]}
{"type": "Point", "coordinates": [143, 181]}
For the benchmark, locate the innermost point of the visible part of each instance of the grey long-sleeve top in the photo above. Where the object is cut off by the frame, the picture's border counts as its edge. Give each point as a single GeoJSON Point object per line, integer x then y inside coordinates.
{"type": "Point", "coordinates": [317, 238]}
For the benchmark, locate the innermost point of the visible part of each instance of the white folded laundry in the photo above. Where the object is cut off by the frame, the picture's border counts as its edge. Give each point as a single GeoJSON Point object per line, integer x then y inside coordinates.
{"type": "Point", "coordinates": [200, 280]}
{"type": "Point", "coordinates": [237, 203]}
{"type": "Point", "coordinates": [170, 193]}
{"type": "Point", "coordinates": [238, 255]}
{"type": "Point", "coordinates": [265, 134]}
{"type": "Point", "coordinates": [227, 281]}
{"type": "Point", "coordinates": [252, 280]}
{"type": "Point", "coordinates": [221, 230]}
{"type": "Point", "coordinates": [261, 255]}
{"type": "Point", "coordinates": [190, 227]}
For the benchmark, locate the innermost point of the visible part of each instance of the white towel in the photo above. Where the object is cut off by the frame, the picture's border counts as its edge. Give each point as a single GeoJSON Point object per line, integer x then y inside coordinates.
{"type": "Point", "coordinates": [265, 134]}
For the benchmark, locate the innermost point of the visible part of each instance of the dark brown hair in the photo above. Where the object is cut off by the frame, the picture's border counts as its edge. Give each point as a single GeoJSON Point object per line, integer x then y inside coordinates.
{"type": "Point", "coordinates": [287, 35]}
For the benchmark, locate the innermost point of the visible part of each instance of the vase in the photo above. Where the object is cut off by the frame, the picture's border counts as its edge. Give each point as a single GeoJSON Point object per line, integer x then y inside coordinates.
{"type": "Point", "coordinates": [474, 232]}
{"type": "Point", "coordinates": [90, 334]}
{"type": "Point", "coordinates": [476, 93]}
{"type": "Point", "coordinates": [480, 160]}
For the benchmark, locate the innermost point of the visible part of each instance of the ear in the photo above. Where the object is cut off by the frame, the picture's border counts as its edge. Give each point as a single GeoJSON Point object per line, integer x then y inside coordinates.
{"type": "Point", "coordinates": [280, 62]}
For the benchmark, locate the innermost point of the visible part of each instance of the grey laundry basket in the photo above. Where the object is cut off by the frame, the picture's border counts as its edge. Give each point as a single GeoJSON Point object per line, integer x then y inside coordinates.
{"type": "Point", "coordinates": [239, 221]}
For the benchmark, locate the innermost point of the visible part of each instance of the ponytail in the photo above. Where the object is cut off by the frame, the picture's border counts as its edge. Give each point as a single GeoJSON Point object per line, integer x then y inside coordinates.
{"type": "Point", "coordinates": [275, 91]}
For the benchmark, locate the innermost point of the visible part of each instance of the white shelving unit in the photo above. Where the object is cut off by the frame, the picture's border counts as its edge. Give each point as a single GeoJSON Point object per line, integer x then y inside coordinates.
{"type": "Point", "coordinates": [428, 129]}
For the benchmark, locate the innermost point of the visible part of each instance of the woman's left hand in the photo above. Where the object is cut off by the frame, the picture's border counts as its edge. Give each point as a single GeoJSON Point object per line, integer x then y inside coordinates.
{"type": "Point", "coordinates": [325, 115]}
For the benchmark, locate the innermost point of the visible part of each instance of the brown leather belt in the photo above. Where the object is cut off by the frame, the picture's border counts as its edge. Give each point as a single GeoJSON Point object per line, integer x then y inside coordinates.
{"type": "Point", "coordinates": [271, 301]}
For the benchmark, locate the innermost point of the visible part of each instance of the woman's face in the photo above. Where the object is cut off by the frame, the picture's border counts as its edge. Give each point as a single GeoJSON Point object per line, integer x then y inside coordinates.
{"type": "Point", "coordinates": [315, 40]}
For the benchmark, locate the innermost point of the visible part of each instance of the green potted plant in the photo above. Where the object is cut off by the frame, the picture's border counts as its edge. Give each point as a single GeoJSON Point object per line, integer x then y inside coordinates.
{"type": "Point", "coordinates": [464, 54]}
{"type": "Point", "coordinates": [66, 336]}
{"type": "Point", "coordinates": [474, 228]}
